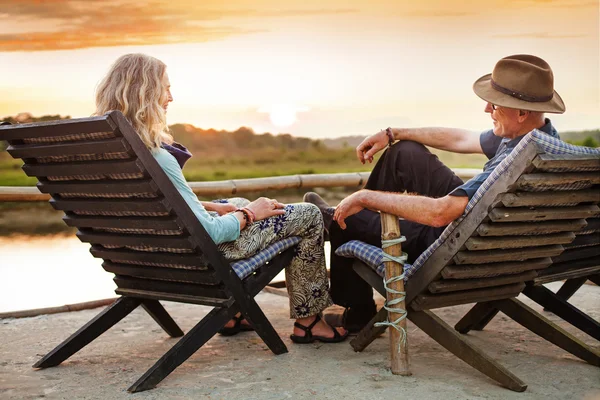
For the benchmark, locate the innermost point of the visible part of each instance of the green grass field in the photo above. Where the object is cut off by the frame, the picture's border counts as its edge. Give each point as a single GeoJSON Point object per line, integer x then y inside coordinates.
{"type": "Point", "coordinates": [217, 166]}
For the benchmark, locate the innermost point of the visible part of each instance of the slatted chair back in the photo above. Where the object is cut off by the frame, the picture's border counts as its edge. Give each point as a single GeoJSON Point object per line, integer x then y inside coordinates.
{"type": "Point", "coordinates": [99, 172]}
{"type": "Point", "coordinates": [544, 210]}
{"type": "Point", "coordinates": [541, 199]}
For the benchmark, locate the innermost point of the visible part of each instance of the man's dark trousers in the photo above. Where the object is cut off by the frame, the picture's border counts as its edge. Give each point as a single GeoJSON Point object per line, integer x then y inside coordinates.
{"type": "Point", "coordinates": [406, 166]}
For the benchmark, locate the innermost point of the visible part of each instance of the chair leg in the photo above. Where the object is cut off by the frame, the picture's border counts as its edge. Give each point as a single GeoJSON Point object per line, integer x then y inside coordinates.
{"type": "Point", "coordinates": [162, 317]}
{"type": "Point", "coordinates": [477, 318]}
{"type": "Point", "coordinates": [263, 327]}
{"type": "Point", "coordinates": [184, 348]}
{"type": "Point", "coordinates": [548, 330]}
{"type": "Point", "coordinates": [90, 331]}
{"type": "Point", "coordinates": [369, 332]}
{"type": "Point", "coordinates": [570, 287]}
{"type": "Point", "coordinates": [457, 344]}
{"type": "Point", "coordinates": [560, 307]}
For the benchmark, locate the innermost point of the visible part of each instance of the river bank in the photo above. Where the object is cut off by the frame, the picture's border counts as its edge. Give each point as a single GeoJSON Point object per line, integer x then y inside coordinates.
{"type": "Point", "coordinates": [242, 367]}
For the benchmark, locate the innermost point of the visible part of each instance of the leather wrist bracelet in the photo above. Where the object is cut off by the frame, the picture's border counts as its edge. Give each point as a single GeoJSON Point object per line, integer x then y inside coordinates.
{"type": "Point", "coordinates": [390, 136]}
{"type": "Point", "coordinates": [250, 213]}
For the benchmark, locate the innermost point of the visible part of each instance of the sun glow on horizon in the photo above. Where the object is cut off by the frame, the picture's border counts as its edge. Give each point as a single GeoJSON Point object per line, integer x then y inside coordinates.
{"type": "Point", "coordinates": [283, 115]}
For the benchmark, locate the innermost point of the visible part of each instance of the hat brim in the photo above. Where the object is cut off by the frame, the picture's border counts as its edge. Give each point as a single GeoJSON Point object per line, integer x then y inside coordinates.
{"type": "Point", "coordinates": [483, 88]}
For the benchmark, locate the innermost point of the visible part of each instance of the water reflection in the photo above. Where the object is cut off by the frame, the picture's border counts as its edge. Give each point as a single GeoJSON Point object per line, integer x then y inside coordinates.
{"type": "Point", "coordinates": [52, 272]}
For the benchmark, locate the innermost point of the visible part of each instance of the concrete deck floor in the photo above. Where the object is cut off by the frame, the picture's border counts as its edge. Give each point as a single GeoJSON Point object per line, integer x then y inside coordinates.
{"type": "Point", "coordinates": [242, 367]}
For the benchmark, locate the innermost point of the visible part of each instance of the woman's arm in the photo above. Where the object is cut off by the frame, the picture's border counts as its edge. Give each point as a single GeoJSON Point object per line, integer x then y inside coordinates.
{"type": "Point", "coordinates": [221, 229]}
{"type": "Point", "coordinates": [221, 208]}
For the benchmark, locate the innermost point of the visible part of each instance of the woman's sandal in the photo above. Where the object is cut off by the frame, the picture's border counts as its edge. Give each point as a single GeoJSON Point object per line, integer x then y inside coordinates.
{"type": "Point", "coordinates": [309, 337]}
{"type": "Point", "coordinates": [236, 328]}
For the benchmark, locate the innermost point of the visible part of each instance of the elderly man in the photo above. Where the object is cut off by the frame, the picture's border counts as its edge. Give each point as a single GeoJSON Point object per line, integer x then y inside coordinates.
{"type": "Point", "coordinates": [411, 182]}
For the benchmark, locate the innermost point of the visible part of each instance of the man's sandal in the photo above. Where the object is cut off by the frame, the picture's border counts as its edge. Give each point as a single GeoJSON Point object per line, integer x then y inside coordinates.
{"type": "Point", "coordinates": [309, 337]}
{"type": "Point", "coordinates": [236, 328]}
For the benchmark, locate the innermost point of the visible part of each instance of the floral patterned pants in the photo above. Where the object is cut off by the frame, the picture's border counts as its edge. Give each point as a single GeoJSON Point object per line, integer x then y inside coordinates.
{"type": "Point", "coordinates": [306, 275]}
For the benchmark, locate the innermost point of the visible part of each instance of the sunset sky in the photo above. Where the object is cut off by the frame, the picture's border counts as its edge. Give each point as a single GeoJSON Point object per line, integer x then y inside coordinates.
{"type": "Point", "coordinates": [310, 68]}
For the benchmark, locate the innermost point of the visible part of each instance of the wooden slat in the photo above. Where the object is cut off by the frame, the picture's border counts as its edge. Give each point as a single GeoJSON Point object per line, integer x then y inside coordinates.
{"type": "Point", "coordinates": [56, 128]}
{"type": "Point", "coordinates": [556, 161]}
{"type": "Point", "coordinates": [121, 186]}
{"type": "Point", "coordinates": [180, 298]}
{"type": "Point", "coordinates": [493, 269]}
{"type": "Point", "coordinates": [511, 242]}
{"type": "Point", "coordinates": [569, 270]}
{"type": "Point", "coordinates": [576, 254]}
{"type": "Point", "coordinates": [527, 228]}
{"type": "Point", "coordinates": [189, 289]}
{"type": "Point", "coordinates": [162, 273]}
{"type": "Point", "coordinates": [192, 260]}
{"type": "Point", "coordinates": [135, 240]}
{"type": "Point", "coordinates": [430, 301]}
{"type": "Point", "coordinates": [533, 181]}
{"type": "Point", "coordinates": [572, 265]}
{"type": "Point", "coordinates": [156, 223]}
{"type": "Point", "coordinates": [523, 199]}
{"type": "Point", "coordinates": [116, 145]}
{"type": "Point", "coordinates": [505, 214]}
{"type": "Point", "coordinates": [486, 256]}
{"type": "Point", "coordinates": [117, 205]}
{"type": "Point", "coordinates": [591, 239]}
{"type": "Point", "coordinates": [453, 285]}
{"type": "Point", "coordinates": [84, 168]}
{"type": "Point", "coordinates": [593, 224]}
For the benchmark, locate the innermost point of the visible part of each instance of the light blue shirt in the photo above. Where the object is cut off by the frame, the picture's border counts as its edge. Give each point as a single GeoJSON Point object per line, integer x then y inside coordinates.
{"type": "Point", "coordinates": [221, 229]}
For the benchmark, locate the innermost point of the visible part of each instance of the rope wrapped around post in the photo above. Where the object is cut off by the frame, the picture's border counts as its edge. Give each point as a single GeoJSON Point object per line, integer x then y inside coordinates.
{"type": "Point", "coordinates": [394, 260]}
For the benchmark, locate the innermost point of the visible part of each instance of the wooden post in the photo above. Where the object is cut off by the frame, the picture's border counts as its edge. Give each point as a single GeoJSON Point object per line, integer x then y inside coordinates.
{"type": "Point", "coordinates": [390, 229]}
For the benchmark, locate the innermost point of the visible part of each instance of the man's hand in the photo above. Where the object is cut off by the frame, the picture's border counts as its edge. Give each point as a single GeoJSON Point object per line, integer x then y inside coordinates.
{"type": "Point", "coordinates": [347, 207]}
{"type": "Point", "coordinates": [371, 145]}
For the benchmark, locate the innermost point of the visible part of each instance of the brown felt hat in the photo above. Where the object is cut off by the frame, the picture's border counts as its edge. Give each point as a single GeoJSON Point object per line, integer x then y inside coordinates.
{"type": "Point", "coordinates": [523, 82]}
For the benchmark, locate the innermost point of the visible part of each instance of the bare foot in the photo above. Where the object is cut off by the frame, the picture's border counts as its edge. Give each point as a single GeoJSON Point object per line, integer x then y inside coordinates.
{"type": "Point", "coordinates": [321, 328]}
{"type": "Point", "coordinates": [231, 322]}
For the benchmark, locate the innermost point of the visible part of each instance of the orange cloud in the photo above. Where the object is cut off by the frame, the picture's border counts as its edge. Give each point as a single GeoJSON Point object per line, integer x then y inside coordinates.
{"type": "Point", "coordinates": [83, 24]}
{"type": "Point", "coordinates": [539, 35]}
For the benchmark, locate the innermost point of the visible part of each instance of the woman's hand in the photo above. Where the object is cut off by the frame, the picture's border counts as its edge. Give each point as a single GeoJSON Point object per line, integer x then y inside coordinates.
{"type": "Point", "coordinates": [224, 208]}
{"type": "Point", "coordinates": [263, 207]}
{"type": "Point", "coordinates": [371, 145]}
{"type": "Point", "coordinates": [220, 208]}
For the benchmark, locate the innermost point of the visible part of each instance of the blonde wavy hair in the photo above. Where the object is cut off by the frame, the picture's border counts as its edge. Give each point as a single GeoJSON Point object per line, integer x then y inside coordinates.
{"type": "Point", "coordinates": [134, 86]}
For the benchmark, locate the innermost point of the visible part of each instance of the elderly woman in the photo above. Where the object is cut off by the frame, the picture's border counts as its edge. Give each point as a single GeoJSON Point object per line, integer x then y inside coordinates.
{"type": "Point", "coordinates": [139, 87]}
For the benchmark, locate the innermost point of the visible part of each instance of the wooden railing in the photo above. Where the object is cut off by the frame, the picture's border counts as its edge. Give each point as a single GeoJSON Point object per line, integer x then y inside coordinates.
{"type": "Point", "coordinates": [235, 187]}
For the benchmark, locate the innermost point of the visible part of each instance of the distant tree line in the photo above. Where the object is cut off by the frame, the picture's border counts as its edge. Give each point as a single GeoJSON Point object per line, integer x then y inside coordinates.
{"type": "Point", "coordinates": [211, 140]}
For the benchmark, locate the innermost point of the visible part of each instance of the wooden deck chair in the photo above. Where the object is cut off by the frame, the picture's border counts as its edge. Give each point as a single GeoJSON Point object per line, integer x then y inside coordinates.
{"type": "Point", "coordinates": [533, 204]}
{"type": "Point", "coordinates": [579, 262]}
{"type": "Point", "coordinates": [98, 171]}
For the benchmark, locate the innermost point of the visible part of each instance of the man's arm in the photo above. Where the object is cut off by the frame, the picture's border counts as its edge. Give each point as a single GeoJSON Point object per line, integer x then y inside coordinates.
{"type": "Point", "coordinates": [424, 210]}
{"type": "Point", "coordinates": [449, 139]}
